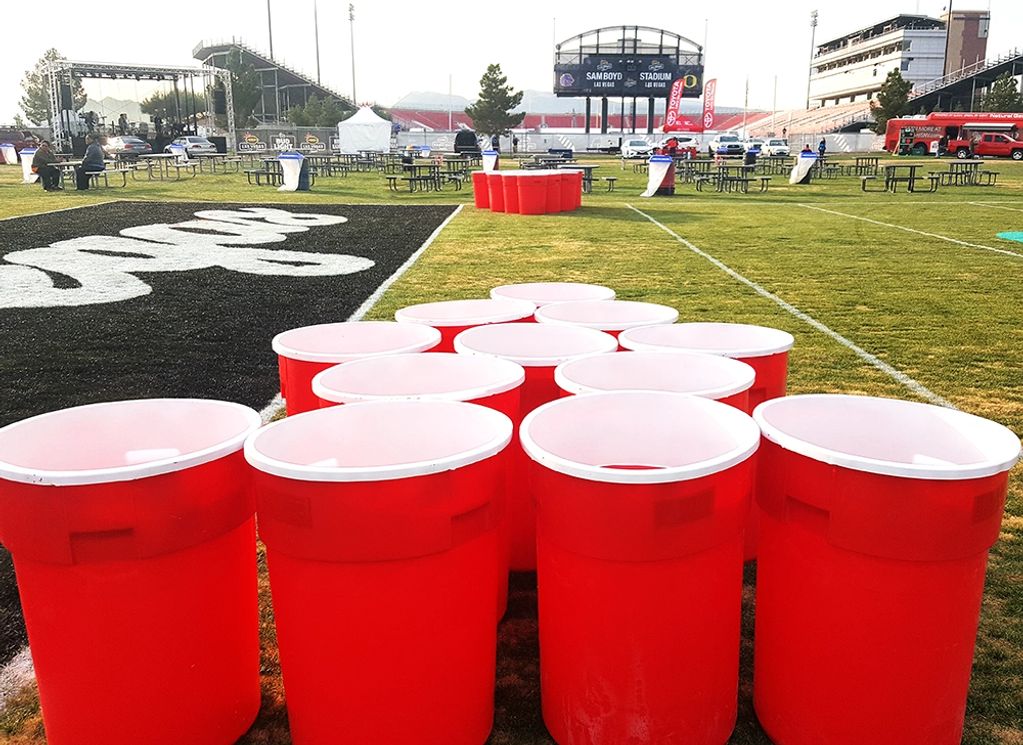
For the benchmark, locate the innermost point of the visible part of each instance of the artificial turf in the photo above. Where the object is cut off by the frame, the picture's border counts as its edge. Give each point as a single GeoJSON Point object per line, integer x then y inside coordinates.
{"type": "Point", "coordinates": [879, 274]}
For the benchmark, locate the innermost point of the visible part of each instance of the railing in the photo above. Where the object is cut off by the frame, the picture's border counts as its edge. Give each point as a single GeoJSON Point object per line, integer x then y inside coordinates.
{"type": "Point", "coordinates": [962, 73]}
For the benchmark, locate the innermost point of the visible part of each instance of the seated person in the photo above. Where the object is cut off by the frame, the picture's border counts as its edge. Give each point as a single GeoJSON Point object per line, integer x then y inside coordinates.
{"type": "Point", "coordinates": [42, 164]}
{"type": "Point", "coordinates": [92, 162]}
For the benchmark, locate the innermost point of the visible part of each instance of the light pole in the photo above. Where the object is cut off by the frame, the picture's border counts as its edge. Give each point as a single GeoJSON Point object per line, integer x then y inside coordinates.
{"type": "Point", "coordinates": [316, 30]}
{"type": "Point", "coordinates": [948, 32]}
{"type": "Point", "coordinates": [270, 29]}
{"type": "Point", "coordinates": [813, 38]}
{"type": "Point", "coordinates": [351, 26]}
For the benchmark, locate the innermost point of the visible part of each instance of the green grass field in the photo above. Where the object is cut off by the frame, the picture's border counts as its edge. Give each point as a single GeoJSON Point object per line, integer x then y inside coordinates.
{"type": "Point", "coordinates": [881, 291]}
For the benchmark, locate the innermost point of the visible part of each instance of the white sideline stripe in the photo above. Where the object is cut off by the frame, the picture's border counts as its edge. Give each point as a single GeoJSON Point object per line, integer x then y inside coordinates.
{"type": "Point", "coordinates": [62, 209]}
{"type": "Point", "coordinates": [271, 409]}
{"type": "Point", "coordinates": [15, 675]}
{"type": "Point", "coordinates": [913, 385]}
{"type": "Point", "coordinates": [913, 230]}
{"type": "Point", "coordinates": [997, 206]}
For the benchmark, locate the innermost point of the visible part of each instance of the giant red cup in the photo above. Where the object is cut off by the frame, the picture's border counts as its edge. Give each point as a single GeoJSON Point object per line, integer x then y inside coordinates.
{"type": "Point", "coordinates": [612, 316]}
{"type": "Point", "coordinates": [570, 188]}
{"type": "Point", "coordinates": [539, 349]}
{"type": "Point", "coordinates": [764, 349]}
{"type": "Point", "coordinates": [441, 376]}
{"type": "Point", "coordinates": [704, 375]}
{"type": "Point", "coordinates": [542, 293]}
{"type": "Point", "coordinates": [306, 351]}
{"type": "Point", "coordinates": [553, 191]}
{"type": "Point", "coordinates": [510, 185]}
{"type": "Point", "coordinates": [131, 529]}
{"type": "Point", "coordinates": [380, 524]}
{"type": "Point", "coordinates": [480, 190]}
{"type": "Point", "coordinates": [495, 185]}
{"type": "Point", "coordinates": [532, 193]}
{"type": "Point", "coordinates": [641, 499]}
{"type": "Point", "coordinates": [452, 317]}
{"type": "Point", "coordinates": [877, 519]}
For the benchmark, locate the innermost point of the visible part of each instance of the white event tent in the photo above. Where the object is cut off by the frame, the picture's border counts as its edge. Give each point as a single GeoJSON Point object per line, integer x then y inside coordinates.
{"type": "Point", "coordinates": [364, 130]}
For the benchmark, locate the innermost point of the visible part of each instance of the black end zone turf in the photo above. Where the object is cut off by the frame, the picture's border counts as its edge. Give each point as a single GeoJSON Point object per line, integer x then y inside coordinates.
{"type": "Point", "coordinates": [199, 332]}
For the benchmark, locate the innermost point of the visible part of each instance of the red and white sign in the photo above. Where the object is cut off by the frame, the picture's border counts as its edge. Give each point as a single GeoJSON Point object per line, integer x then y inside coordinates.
{"type": "Point", "coordinates": [709, 90]}
{"type": "Point", "coordinates": [674, 119]}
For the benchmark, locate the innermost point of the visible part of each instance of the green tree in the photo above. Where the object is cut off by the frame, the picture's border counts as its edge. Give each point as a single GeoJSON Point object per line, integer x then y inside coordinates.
{"type": "Point", "coordinates": [246, 88]}
{"type": "Point", "coordinates": [318, 112]}
{"type": "Point", "coordinates": [491, 114]}
{"type": "Point", "coordinates": [1003, 95]}
{"type": "Point", "coordinates": [36, 88]}
{"type": "Point", "coordinates": [166, 104]}
{"type": "Point", "coordinates": [892, 100]}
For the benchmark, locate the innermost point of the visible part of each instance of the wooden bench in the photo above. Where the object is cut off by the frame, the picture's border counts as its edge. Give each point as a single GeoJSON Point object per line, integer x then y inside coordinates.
{"type": "Point", "coordinates": [610, 182]}
{"type": "Point", "coordinates": [701, 180]}
{"type": "Point", "coordinates": [864, 180]}
{"type": "Point", "coordinates": [259, 174]}
{"type": "Point", "coordinates": [95, 176]}
{"type": "Point", "coordinates": [452, 178]}
{"type": "Point", "coordinates": [392, 182]}
{"type": "Point", "coordinates": [765, 181]}
{"type": "Point", "coordinates": [188, 165]}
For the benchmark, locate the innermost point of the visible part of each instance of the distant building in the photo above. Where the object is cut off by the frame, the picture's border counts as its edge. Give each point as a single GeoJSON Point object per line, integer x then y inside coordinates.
{"type": "Point", "coordinates": [853, 67]}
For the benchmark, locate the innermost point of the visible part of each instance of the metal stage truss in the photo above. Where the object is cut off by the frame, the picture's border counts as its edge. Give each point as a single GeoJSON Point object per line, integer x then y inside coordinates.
{"type": "Point", "coordinates": [62, 72]}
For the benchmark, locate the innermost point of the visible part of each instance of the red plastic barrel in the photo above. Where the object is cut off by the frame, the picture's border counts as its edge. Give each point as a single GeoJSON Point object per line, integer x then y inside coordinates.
{"type": "Point", "coordinates": [496, 188]}
{"type": "Point", "coordinates": [764, 349]}
{"type": "Point", "coordinates": [877, 519]}
{"type": "Point", "coordinates": [542, 293]}
{"type": "Point", "coordinates": [442, 376]}
{"type": "Point", "coordinates": [705, 375]}
{"type": "Point", "coordinates": [306, 351]}
{"type": "Point", "coordinates": [532, 194]}
{"type": "Point", "coordinates": [510, 185]}
{"type": "Point", "coordinates": [380, 526]}
{"type": "Point", "coordinates": [480, 190]}
{"type": "Point", "coordinates": [131, 529]}
{"type": "Point", "coordinates": [452, 317]}
{"type": "Point", "coordinates": [612, 316]}
{"type": "Point", "coordinates": [539, 349]}
{"type": "Point", "coordinates": [553, 179]}
{"type": "Point", "coordinates": [641, 498]}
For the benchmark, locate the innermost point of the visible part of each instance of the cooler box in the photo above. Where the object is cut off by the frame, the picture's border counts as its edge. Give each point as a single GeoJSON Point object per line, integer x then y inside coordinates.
{"type": "Point", "coordinates": [452, 317]}
{"type": "Point", "coordinates": [539, 349]}
{"type": "Point", "coordinates": [380, 524]}
{"type": "Point", "coordinates": [306, 351]}
{"type": "Point", "coordinates": [877, 519]}
{"type": "Point", "coordinates": [131, 529]}
{"type": "Point", "coordinates": [639, 564]}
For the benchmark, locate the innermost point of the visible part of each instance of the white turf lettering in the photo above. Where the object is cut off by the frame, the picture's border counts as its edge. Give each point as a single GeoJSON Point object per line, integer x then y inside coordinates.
{"type": "Point", "coordinates": [104, 266]}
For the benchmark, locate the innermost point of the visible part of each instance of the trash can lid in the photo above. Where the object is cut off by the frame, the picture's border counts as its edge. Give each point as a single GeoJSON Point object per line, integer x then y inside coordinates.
{"type": "Point", "coordinates": [439, 376]}
{"type": "Point", "coordinates": [638, 437]}
{"type": "Point", "coordinates": [542, 293]}
{"type": "Point", "coordinates": [607, 315]}
{"type": "Point", "coordinates": [705, 375]}
{"type": "Point", "coordinates": [122, 440]}
{"type": "Point", "coordinates": [351, 340]}
{"type": "Point", "coordinates": [379, 441]}
{"type": "Point", "coordinates": [466, 312]}
{"type": "Point", "coordinates": [889, 436]}
{"type": "Point", "coordinates": [726, 339]}
{"type": "Point", "coordinates": [534, 344]}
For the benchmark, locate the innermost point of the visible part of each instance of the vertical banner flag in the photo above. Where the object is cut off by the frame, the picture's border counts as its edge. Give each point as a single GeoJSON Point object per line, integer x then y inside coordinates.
{"type": "Point", "coordinates": [674, 119]}
{"type": "Point", "coordinates": [710, 89]}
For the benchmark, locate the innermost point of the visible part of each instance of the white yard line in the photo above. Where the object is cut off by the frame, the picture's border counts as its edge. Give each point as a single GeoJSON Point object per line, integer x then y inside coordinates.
{"type": "Point", "coordinates": [275, 405]}
{"type": "Point", "coordinates": [996, 206]}
{"type": "Point", "coordinates": [914, 385]}
{"type": "Point", "coordinates": [914, 230]}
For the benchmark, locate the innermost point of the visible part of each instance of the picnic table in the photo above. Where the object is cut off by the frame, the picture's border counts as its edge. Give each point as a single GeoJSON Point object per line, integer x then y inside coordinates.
{"type": "Point", "coordinates": [688, 170]}
{"type": "Point", "coordinates": [424, 176]}
{"type": "Point", "coordinates": [213, 159]}
{"type": "Point", "coordinates": [586, 168]}
{"type": "Point", "coordinates": [867, 165]}
{"type": "Point", "coordinates": [901, 173]}
{"type": "Point", "coordinates": [161, 162]}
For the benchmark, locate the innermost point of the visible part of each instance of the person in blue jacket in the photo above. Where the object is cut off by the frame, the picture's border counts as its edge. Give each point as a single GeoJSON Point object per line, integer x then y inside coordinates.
{"type": "Point", "coordinates": [822, 146]}
{"type": "Point", "coordinates": [93, 161]}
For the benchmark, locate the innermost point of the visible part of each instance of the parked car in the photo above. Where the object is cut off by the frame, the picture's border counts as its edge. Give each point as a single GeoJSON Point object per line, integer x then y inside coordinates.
{"type": "Point", "coordinates": [725, 144]}
{"type": "Point", "coordinates": [127, 146]}
{"type": "Point", "coordinates": [988, 144]}
{"type": "Point", "coordinates": [466, 142]}
{"type": "Point", "coordinates": [636, 149]}
{"type": "Point", "coordinates": [753, 143]}
{"type": "Point", "coordinates": [193, 145]}
{"type": "Point", "coordinates": [773, 146]}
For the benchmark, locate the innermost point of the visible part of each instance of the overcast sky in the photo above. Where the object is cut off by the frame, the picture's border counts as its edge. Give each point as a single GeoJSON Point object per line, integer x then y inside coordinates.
{"type": "Point", "coordinates": [403, 45]}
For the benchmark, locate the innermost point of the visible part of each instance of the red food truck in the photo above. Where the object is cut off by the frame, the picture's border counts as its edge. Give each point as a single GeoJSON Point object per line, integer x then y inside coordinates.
{"type": "Point", "coordinates": [968, 134]}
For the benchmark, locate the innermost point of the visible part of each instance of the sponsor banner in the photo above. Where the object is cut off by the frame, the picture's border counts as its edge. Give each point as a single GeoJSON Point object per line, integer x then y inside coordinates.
{"type": "Point", "coordinates": [640, 75]}
{"type": "Point", "coordinates": [312, 144]}
{"type": "Point", "coordinates": [709, 93]}
{"type": "Point", "coordinates": [335, 144]}
{"type": "Point", "coordinates": [250, 142]}
{"type": "Point", "coordinates": [674, 119]}
{"type": "Point", "coordinates": [282, 141]}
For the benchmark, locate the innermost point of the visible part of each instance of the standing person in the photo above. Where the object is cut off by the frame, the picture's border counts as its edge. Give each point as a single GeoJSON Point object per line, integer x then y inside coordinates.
{"type": "Point", "coordinates": [92, 162]}
{"type": "Point", "coordinates": [515, 143]}
{"type": "Point", "coordinates": [822, 147]}
{"type": "Point", "coordinates": [122, 124]}
{"type": "Point", "coordinates": [942, 146]}
{"type": "Point", "coordinates": [495, 142]}
{"type": "Point", "coordinates": [42, 164]}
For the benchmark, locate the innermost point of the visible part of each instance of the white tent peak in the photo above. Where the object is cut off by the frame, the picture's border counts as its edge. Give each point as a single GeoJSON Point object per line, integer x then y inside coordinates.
{"type": "Point", "coordinates": [364, 130]}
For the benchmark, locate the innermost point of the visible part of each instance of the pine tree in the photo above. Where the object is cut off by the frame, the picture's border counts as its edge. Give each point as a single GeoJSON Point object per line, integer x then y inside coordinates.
{"type": "Point", "coordinates": [892, 101]}
{"type": "Point", "coordinates": [36, 86]}
{"type": "Point", "coordinates": [1003, 95]}
{"type": "Point", "coordinates": [491, 114]}
{"type": "Point", "coordinates": [246, 88]}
